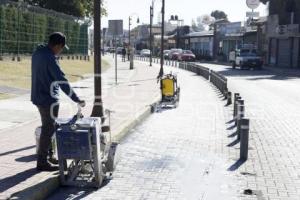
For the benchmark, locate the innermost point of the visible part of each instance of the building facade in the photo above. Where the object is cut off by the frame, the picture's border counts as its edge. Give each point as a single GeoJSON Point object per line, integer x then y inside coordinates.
{"type": "Point", "coordinates": [283, 34]}
{"type": "Point", "coordinates": [201, 44]}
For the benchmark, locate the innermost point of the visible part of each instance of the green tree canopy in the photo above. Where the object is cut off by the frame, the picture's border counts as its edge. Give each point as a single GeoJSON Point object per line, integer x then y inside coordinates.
{"type": "Point", "coordinates": [218, 14]}
{"type": "Point", "coordinates": [77, 8]}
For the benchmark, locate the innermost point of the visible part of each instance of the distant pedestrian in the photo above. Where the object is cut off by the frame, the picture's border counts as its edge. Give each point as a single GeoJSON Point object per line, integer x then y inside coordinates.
{"type": "Point", "coordinates": [47, 79]}
{"type": "Point", "coordinates": [123, 54]}
{"type": "Point", "coordinates": [128, 53]}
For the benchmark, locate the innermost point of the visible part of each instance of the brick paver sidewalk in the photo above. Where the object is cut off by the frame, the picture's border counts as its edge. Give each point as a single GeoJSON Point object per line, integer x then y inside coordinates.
{"type": "Point", "coordinates": [176, 153]}
{"type": "Point", "coordinates": [137, 89]}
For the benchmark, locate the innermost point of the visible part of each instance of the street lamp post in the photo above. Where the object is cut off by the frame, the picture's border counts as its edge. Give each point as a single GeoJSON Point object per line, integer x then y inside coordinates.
{"type": "Point", "coordinates": [18, 33]}
{"type": "Point", "coordinates": [129, 23]}
{"type": "Point", "coordinates": [151, 36]}
{"type": "Point", "coordinates": [1, 28]}
{"type": "Point", "coordinates": [161, 71]}
{"type": "Point", "coordinates": [130, 55]}
{"type": "Point", "coordinates": [98, 105]}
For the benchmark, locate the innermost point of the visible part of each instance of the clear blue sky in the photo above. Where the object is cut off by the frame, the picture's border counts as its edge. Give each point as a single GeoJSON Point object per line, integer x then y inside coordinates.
{"type": "Point", "coordinates": [185, 9]}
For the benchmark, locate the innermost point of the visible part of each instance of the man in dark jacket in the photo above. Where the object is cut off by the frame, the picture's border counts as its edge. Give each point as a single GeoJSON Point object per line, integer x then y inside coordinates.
{"type": "Point", "coordinates": [47, 78]}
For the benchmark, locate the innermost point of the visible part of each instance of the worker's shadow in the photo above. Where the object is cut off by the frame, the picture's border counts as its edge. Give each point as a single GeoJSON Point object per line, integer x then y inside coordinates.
{"type": "Point", "coordinates": [11, 181]}
{"type": "Point", "coordinates": [29, 158]}
{"type": "Point", "coordinates": [76, 193]}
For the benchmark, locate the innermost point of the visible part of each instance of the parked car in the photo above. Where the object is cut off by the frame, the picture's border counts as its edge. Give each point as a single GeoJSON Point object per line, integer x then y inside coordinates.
{"type": "Point", "coordinates": [119, 50]}
{"type": "Point", "coordinates": [173, 55]}
{"type": "Point", "coordinates": [145, 53]}
{"type": "Point", "coordinates": [106, 49]}
{"type": "Point", "coordinates": [166, 54]}
{"type": "Point", "coordinates": [111, 50]}
{"type": "Point", "coordinates": [187, 55]}
{"type": "Point", "coordinates": [245, 58]}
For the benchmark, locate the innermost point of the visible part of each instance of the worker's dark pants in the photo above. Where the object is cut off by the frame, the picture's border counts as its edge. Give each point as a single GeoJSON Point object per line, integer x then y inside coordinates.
{"type": "Point", "coordinates": [48, 116]}
{"type": "Point", "coordinates": [123, 58]}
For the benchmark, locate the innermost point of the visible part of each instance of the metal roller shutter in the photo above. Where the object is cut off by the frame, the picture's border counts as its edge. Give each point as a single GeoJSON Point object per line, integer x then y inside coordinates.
{"type": "Point", "coordinates": [273, 47]}
{"type": "Point", "coordinates": [284, 53]}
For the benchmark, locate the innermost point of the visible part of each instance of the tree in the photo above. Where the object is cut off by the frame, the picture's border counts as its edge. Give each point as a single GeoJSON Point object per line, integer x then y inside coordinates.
{"type": "Point", "coordinates": [218, 14]}
{"type": "Point", "coordinates": [77, 8]}
{"type": "Point", "coordinates": [196, 27]}
{"type": "Point", "coordinates": [202, 22]}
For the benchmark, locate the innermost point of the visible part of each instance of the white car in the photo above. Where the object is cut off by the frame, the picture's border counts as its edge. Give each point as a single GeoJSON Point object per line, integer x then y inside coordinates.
{"type": "Point", "coordinates": [145, 53]}
{"type": "Point", "coordinates": [245, 58]}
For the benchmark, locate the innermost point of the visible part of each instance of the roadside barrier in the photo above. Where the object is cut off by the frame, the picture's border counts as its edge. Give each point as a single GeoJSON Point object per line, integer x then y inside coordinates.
{"type": "Point", "coordinates": [219, 81]}
{"type": "Point", "coordinates": [229, 98]}
{"type": "Point", "coordinates": [244, 134]}
{"type": "Point", "coordinates": [240, 116]}
{"type": "Point", "coordinates": [236, 97]}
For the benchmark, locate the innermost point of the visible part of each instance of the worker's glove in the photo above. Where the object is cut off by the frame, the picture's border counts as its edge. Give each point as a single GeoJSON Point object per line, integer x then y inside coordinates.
{"type": "Point", "coordinates": [81, 103]}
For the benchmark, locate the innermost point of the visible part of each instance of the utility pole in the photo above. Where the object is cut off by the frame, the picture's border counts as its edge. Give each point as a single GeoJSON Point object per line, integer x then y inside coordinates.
{"type": "Point", "coordinates": [150, 38]}
{"type": "Point", "coordinates": [18, 33]}
{"type": "Point", "coordinates": [131, 49]}
{"type": "Point", "coordinates": [1, 28]}
{"type": "Point", "coordinates": [161, 72]}
{"type": "Point", "coordinates": [98, 104]}
{"type": "Point", "coordinates": [129, 23]}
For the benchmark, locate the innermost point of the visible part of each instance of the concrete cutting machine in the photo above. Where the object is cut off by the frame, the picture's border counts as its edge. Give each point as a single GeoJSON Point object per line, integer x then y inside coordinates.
{"type": "Point", "coordinates": [85, 150]}
{"type": "Point", "coordinates": [170, 91]}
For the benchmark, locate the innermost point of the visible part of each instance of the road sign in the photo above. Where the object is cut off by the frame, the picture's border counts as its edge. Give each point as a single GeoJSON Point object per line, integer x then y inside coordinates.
{"type": "Point", "coordinates": [115, 27]}
{"type": "Point", "coordinates": [252, 4]}
{"type": "Point", "coordinates": [252, 14]}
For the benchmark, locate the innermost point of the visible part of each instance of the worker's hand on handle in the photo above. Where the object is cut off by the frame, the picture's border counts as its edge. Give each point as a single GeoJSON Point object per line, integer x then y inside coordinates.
{"type": "Point", "coordinates": [81, 103]}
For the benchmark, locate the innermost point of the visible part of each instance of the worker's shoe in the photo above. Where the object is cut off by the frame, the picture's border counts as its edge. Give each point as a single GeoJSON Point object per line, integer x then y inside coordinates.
{"type": "Point", "coordinates": [53, 161]}
{"type": "Point", "coordinates": [46, 167]}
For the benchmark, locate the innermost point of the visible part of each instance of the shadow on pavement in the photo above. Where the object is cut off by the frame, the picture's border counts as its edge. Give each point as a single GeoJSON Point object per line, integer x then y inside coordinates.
{"type": "Point", "coordinates": [29, 158]}
{"type": "Point", "coordinates": [17, 150]}
{"type": "Point", "coordinates": [231, 121]}
{"type": "Point", "coordinates": [75, 193]}
{"type": "Point", "coordinates": [231, 127]}
{"type": "Point", "coordinates": [11, 181]}
{"type": "Point", "coordinates": [233, 143]}
{"type": "Point", "coordinates": [236, 165]}
{"type": "Point", "coordinates": [233, 134]}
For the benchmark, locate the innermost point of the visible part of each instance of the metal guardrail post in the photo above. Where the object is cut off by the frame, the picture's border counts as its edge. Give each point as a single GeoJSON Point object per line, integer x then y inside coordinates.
{"type": "Point", "coordinates": [240, 111]}
{"type": "Point", "coordinates": [244, 142]}
{"type": "Point", "coordinates": [225, 94]}
{"type": "Point", "coordinates": [236, 95]}
{"type": "Point", "coordinates": [241, 115]}
{"type": "Point", "coordinates": [229, 98]}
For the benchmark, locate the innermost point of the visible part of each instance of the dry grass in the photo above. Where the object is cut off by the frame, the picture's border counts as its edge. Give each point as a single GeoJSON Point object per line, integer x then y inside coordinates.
{"type": "Point", "coordinates": [18, 74]}
{"type": "Point", "coordinates": [6, 96]}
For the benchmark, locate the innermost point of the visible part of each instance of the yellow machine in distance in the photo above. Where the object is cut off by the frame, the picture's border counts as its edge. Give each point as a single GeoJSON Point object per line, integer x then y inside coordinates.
{"type": "Point", "coordinates": [169, 90]}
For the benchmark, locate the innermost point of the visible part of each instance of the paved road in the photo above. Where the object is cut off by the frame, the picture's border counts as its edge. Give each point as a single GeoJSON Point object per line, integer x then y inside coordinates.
{"type": "Point", "coordinates": [273, 105]}
{"type": "Point", "coordinates": [175, 154]}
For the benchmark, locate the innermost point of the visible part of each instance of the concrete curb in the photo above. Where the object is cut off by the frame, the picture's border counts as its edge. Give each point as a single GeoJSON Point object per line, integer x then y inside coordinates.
{"type": "Point", "coordinates": [122, 132]}
{"type": "Point", "coordinates": [39, 191]}
{"type": "Point", "coordinates": [50, 183]}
